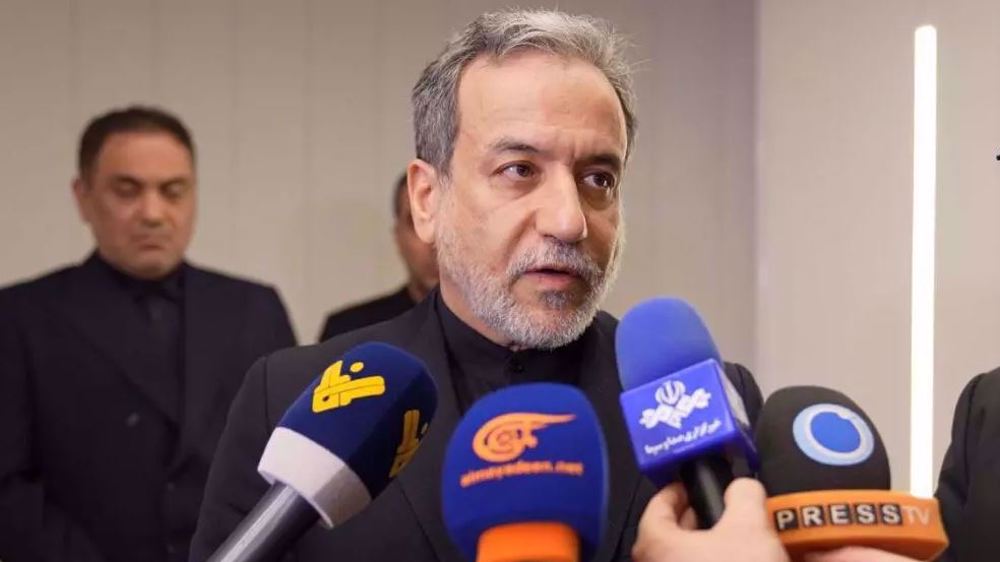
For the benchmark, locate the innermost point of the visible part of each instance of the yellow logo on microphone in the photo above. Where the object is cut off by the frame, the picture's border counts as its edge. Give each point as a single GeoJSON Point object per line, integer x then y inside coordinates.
{"type": "Point", "coordinates": [505, 437]}
{"type": "Point", "coordinates": [412, 432]}
{"type": "Point", "coordinates": [336, 390]}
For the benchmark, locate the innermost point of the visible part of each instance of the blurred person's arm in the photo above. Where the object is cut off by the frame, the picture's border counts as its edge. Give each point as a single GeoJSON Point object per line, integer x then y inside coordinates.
{"type": "Point", "coordinates": [31, 527]}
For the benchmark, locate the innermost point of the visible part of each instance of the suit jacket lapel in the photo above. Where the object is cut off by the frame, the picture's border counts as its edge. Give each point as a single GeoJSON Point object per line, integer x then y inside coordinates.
{"type": "Point", "coordinates": [421, 481]}
{"type": "Point", "coordinates": [599, 381]}
{"type": "Point", "coordinates": [106, 316]}
{"type": "Point", "coordinates": [210, 327]}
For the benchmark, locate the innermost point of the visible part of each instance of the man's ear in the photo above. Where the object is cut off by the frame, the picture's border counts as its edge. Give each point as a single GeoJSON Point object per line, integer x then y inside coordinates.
{"type": "Point", "coordinates": [424, 188]}
{"type": "Point", "coordinates": [81, 192]}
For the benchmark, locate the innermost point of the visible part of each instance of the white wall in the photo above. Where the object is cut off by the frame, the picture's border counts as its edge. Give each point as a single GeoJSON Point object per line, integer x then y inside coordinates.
{"type": "Point", "coordinates": [834, 204]}
{"type": "Point", "coordinates": [300, 110]}
{"type": "Point", "coordinates": [835, 156]}
{"type": "Point", "coordinates": [968, 272]}
{"type": "Point", "coordinates": [301, 114]}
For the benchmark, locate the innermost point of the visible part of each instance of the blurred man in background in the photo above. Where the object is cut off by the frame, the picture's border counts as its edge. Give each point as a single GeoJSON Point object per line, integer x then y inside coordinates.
{"type": "Point", "coordinates": [421, 268]}
{"type": "Point", "coordinates": [116, 374]}
{"type": "Point", "coordinates": [967, 488]}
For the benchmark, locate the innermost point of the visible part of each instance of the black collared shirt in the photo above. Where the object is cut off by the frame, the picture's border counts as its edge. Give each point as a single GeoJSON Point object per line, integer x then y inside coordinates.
{"type": "Point", "coordinates": [479, 366]}
{"type": "Point", "coordinates": [160, 304]}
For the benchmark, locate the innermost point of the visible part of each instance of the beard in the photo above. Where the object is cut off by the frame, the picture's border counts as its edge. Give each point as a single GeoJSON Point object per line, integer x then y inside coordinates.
{"type": "Point", "coordinates": [562, 316]}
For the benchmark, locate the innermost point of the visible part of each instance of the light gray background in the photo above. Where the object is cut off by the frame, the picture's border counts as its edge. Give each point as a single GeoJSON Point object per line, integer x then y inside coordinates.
{"type": "Point", "coordinates": [771, 185]}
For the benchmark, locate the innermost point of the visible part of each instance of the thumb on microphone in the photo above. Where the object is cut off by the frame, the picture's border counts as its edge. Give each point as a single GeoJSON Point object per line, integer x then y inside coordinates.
{"type": "Point", "coordinates": [746, 509]}
{"type": "Point", "coordinates": [669, 509]}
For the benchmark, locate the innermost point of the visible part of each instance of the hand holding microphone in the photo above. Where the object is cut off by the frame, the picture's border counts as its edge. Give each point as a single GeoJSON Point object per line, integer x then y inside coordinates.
{"type": "Point", "coordinates": [742, 534]}
{"type": "Point", "coordinates": [826, 470]}
{"type": "Point", "coordinates": [827, 474]}
{"type": "Point", "coordinates": [688, 423]}
{"type": "Point", "coordinates": [686, 420]}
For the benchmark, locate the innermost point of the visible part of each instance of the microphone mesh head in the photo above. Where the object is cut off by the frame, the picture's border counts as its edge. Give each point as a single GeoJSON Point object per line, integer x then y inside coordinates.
{"type": "Point", "coordinates": [527, 453]}
{"type": "Point", "coordinates": [658, 337]}
{"type": "Point", "coordinates": [353, 429]}
{"type": "Point", "coordinates": [814, 438]}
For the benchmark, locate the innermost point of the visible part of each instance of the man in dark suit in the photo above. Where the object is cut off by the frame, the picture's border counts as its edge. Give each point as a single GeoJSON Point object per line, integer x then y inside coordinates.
{"type": "Point", "coordinates": [115, 374]}
{"type": "Point", "coordinates": [421, 268]}
{"type": "Point", "coordinates": [968, 488]}
{"type": "Point", "coordinates": [521, 199]}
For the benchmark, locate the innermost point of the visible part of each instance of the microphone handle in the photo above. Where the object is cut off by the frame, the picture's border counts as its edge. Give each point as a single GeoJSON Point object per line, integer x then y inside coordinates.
{"type": "Point", "coordinates": [279, 519]}
{"type": "Point", "coordinates": [706, 480]}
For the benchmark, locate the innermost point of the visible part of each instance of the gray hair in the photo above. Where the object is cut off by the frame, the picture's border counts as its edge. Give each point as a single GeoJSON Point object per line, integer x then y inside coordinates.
{"type": "Point", "coordinates": [497, 34]}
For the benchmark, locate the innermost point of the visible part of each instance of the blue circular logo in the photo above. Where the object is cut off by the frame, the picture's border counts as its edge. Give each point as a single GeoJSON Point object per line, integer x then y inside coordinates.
{"type": "Point", "coordinates": [833, 435]}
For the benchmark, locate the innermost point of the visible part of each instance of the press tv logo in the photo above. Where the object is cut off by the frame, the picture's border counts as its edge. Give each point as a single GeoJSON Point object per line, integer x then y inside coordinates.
{"type": "Point", "coordinates": [863, 514]}
{"type": "Point", "coordinates": [337, 389]}
{"type": "Point", "coordinates": [833, 435]}
{"type": "Point", "coordinates": [502, 441]}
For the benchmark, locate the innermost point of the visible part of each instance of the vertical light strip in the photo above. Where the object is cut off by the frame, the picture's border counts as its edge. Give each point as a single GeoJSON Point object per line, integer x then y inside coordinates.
{"type": "Point", "coordinates": [922, 303]}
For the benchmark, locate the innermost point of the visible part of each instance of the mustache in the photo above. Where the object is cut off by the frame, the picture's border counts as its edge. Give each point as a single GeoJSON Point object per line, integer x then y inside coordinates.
{"type": "Point", "coordinates": [563, 257]}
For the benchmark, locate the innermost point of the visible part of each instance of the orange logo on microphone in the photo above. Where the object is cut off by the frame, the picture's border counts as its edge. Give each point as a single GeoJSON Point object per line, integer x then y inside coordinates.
{"type": "Point", "coordinates": [505, 437]}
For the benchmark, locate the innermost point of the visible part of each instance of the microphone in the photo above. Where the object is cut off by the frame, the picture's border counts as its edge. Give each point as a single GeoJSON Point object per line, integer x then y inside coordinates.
{"type": "Point", "coordinates": [336, 448]}
{"type": "Point", "coordinates": [827, 474]}
{"type": "Point", "coordinates": [685, 419]}
{"type": "Point", "coordinates": [525, 477]}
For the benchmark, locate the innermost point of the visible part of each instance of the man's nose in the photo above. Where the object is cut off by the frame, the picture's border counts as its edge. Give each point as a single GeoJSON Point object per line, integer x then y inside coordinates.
{"type": "Point", "coordinates": [560, 213]}
{"type": "Point", "coordinates": [152, 207]}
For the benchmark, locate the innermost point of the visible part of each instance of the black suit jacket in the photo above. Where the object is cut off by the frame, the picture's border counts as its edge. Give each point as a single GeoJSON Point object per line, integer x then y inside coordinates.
{"type": "Point", "coordinates": [969, 486]}
{"type": "Point", "coordinates": [404, 522]}
{"type": "Point", "coordinates": [84, 428]}
{"type": "Point", "coordinates": [366, 313]}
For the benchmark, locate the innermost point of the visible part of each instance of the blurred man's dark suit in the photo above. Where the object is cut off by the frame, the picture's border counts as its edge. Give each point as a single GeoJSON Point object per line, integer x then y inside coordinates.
{"type": "Point", "coordinates": [404, 522]}
{"type": "Point", "coordinates": [380, 309]}
{"type": "Point", "coordinates": [969, 488]}
{"type": "Point", "coordinates": [104, 444]}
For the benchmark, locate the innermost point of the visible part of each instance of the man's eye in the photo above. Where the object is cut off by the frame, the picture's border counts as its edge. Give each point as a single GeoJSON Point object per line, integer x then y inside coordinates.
{"type": "Point", "coordinates": [125, 190]}
{"type": "Point", "coordinates": [175, 190]}
{"type": "Point", "coordinates": [600, 179]}
{"type": "Point", "coordinates": [519, 171]}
